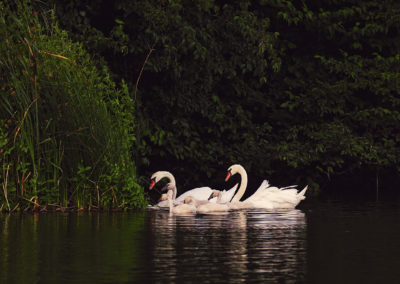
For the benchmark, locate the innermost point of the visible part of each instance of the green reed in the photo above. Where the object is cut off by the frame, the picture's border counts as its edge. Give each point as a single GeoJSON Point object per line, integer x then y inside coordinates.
{"type": "Point", "coordinates": [66, 131]}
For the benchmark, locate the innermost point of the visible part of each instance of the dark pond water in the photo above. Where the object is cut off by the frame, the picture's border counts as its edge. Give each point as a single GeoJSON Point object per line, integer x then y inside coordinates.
{"type": "Point", "coordinates": [328, 242]}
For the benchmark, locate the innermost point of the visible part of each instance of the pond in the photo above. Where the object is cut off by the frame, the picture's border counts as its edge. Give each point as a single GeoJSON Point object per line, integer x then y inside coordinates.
{"type": "Point", "coordinates": [327, 242]}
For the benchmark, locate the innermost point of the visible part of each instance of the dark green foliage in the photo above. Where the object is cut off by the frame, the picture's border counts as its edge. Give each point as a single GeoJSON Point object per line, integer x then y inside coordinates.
{"type": "Point", "coordinates": [297, 91]}
{"type": "Point", "coordinates": [69, 130]}
{"type": "Point", "coordinates": [344, 85]}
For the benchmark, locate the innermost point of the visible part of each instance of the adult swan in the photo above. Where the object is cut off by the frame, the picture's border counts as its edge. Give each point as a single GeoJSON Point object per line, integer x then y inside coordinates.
{"type": "Point", "coordinates": [266, 196]}
{"type": "Point", "coordinates": [200, 193]}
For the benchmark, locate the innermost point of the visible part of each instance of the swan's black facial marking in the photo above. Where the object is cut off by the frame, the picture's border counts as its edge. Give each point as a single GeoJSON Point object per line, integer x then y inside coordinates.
{"type": "Point", "coordinates": [152, 183]}
{"type": "Point", "coordinates": [229, 174]}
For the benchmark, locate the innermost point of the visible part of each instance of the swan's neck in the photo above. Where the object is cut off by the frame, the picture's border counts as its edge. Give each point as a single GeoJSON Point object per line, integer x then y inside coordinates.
{"type": "Point", "coordinates": [243, 185]}
{"type": "Point", "coordinates": [170, 202]}
{"type": "Point", "coordinates": [172, 184]}
{"type": "Point", "coordinates": [173, 188]}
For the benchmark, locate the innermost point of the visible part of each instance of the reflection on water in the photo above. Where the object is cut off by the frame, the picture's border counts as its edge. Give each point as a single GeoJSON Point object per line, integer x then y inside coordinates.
{"type": "Point", "coordinates": [69, 248]}
{"type": "Point", "coordinates": [328, 243]}
{"type": "Point", "coordinates": [253, 246]}
{"type": "Point", "coordinates": [153, 246]}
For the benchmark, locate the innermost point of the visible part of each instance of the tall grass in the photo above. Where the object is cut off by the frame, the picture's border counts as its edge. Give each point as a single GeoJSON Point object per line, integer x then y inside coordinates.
{"type": "Point", "coordinates": [66, 131]}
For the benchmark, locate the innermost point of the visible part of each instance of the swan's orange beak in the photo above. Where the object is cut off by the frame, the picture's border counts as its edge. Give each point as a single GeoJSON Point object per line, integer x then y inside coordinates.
{"type": "Point", "coordinates": [152, 183]}
{"type": "Point", "coordinates": [228, 175]}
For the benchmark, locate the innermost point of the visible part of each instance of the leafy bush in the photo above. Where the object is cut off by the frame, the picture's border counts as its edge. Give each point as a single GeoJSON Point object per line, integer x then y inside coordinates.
{"type": "Point", "coordinates": [68, 129]}
{"type": "Point", "coordinates": [296, 92]}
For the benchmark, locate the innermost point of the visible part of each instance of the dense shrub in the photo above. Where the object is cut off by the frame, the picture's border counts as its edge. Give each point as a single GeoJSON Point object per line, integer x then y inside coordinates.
{"type": "Point", "coordinates": [295, 91]}
{"type": "Point", "coordinates": [67, 129]}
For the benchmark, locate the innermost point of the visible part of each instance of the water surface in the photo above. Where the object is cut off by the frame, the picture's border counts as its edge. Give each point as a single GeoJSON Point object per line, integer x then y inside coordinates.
{"type": "Point", "coordinates": [329, 242]}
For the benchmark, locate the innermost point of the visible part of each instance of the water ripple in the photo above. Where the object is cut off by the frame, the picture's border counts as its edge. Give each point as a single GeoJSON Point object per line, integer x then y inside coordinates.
{"type": "Point", "coordinates": [234, 247]}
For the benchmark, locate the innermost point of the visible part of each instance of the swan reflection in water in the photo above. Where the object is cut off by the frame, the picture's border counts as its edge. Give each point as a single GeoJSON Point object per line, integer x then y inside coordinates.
{"type": "Point", "coordinates": [233, 246]}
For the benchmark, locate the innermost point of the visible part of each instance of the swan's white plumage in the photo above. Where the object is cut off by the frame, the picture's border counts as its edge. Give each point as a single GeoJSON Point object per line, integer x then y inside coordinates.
{"type": "Point", "coordinates": [163, 201]}
{"type": "Point", "coordinates": [266, 196]}
{"type": "Point", "coordinates": [200, 193]}
{"type": "Point", "coordinates": [237, 205]}
{"type": "Point", "coordinates": [203, 193]}
{"type": "Point", "coordinates": [276, 198]}
{"type": "Point", "coordinates": [181, 208]}
{"type": "Point", "coordinates": [213, 207]}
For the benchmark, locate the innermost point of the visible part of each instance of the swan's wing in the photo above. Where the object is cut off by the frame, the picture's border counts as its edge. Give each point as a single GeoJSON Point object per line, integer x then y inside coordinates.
{"type": "Point", "coordinates": [288, 198]}
{"type": "Point", "coordinates": [288, 195]}
{"type": "Point", "coordinates": [303, 192]}
{"type": "Point", "coordinates": [259, 192]}
{"type": "Point", "coordinates": [200, 193]}
{"type": "Point", "coordinates": [291, 195]}
{"type": "Point", "coordinates": [228, 194]}
{"type": "Point", "coordinates": [271, 197]}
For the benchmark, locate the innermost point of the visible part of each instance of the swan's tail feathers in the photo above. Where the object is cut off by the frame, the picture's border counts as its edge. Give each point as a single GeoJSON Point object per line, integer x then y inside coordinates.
{"type": "Point", "coordinates": [301, 193]}
{"type": "Point", "coordinates": [265, 183]}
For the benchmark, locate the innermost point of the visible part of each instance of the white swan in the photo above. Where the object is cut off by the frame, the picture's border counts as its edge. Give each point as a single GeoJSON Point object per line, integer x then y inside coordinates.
{"type": "Point", "coordinates": [181, 208]}
{"type": "Point", "coordinates": [200, 193]}
{"type": "Point", "coordinates": [265, 197]}
{"type": "Point", "coordinates": [213, 207]}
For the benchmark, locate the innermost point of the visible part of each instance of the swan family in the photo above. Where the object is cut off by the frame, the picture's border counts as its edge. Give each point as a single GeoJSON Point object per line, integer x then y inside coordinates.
{"type": "Point", "coordinates": [204, 200]}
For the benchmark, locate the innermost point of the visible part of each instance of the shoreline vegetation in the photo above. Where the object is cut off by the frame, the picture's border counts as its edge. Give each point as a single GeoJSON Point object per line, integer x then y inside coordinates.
{"type": "Point", "coordinates": [67, 129]}
{"type": "Point", "coordinates": [97, 96]}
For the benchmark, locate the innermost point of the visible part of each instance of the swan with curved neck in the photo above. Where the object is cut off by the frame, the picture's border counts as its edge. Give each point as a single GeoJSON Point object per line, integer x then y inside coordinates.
{"type": "Point", "coordinates": [265, 196]}
{"type": "Point", "coordinates": [171, 185]}
{"type": "Point", "coordinates": [200, 193]}
{"type": "Point", "coordinates": [238, 169]}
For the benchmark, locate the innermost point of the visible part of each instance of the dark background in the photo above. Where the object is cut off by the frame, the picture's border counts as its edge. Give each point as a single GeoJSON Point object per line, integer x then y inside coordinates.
{"type": "Point", "coordinates": [297, 92]}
